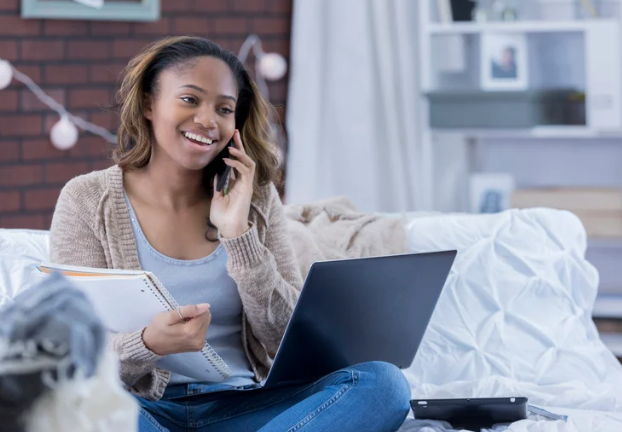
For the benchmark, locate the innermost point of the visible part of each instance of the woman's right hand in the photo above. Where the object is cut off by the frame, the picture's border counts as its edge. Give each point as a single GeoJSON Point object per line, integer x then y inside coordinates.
{"type": "Point", "coordinates": [168, 333]}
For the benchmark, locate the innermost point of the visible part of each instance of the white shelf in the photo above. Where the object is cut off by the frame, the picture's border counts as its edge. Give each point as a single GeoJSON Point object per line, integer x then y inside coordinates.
{"type": "Point", "coordinates": [608, 306]}
{"type": "Point", "coordinates": [566, 132]}
{"type": "Point", "coordinates": [613, 342]}
{"type": "Point", "coordinates": [469, 27]}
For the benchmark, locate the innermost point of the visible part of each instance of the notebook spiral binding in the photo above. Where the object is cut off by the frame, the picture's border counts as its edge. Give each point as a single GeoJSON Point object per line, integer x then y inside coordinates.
{"type": "Point", "coordinates": [208, 352]}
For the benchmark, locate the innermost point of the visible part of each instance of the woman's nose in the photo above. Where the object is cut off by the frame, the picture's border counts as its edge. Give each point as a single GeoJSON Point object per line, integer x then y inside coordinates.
{"type": "Point", "coordinates": [205, 117]}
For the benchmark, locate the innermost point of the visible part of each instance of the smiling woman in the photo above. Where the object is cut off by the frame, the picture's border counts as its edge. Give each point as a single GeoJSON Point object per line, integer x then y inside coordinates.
{"type": "Point", "coordinates": [189, 110]}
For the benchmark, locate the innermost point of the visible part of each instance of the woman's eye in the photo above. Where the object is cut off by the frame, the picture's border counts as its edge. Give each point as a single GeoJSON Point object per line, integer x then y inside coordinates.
{"type": "Point", "coordinates": [189, 99]}
{"type": "Point", "coordinates": [226, 110]}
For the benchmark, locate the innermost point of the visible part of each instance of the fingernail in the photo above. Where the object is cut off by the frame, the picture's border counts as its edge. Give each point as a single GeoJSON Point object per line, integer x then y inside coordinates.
{"type": "Point", "coordinates": [203, 307]}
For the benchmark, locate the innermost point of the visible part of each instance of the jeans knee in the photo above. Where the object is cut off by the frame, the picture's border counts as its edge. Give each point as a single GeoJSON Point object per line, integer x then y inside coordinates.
{"type": "Point", "coordinates": [388, 393]}
{"type": "Point", "coordinates": [391, 383]}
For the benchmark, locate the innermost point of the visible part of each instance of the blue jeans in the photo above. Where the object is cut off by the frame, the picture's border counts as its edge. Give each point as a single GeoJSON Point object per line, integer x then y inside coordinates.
{"type": "Point", "coordinates": [370, 396]}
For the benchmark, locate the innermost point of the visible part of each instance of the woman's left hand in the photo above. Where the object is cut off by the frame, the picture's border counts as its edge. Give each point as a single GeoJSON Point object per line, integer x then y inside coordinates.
{"type": "Point", "coordinates": [229, 213]}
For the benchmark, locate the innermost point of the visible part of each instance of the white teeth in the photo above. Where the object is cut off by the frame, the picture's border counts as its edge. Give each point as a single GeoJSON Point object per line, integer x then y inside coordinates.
{"type": "Point", "coordinates": [198, 138]}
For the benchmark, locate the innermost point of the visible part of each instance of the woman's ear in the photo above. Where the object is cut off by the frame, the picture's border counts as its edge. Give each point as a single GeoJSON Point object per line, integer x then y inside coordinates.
{"type": "Point", "coordinates": [147, 107]}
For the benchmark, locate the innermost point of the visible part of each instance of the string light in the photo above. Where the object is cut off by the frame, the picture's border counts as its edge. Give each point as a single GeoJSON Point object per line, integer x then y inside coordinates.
{"type": "Point", "coordinates": [6, 74]}
{"type": "Point", "coordinates": [64, 134]}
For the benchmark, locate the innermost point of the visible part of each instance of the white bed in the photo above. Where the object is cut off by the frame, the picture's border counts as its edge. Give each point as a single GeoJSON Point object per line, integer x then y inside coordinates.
{"type": "Point", "coordinates": [514, 318]}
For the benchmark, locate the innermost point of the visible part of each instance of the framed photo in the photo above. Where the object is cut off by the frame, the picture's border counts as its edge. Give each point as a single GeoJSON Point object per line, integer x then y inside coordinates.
{"type": "Point", "coordinates": [104, 10]}
{"type": "Point", "coordinates": [490, 192]}
{"type": "Point", "coordinates": [503, 61]}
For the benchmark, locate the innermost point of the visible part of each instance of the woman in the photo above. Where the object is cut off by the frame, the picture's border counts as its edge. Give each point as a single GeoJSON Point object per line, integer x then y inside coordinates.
{"type": "Point", "coordinates": [226, 257]}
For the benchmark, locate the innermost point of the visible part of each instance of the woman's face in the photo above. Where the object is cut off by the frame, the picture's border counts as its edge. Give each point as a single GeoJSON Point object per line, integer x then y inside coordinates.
{"type": "Point", "coordinates": [193, 114]}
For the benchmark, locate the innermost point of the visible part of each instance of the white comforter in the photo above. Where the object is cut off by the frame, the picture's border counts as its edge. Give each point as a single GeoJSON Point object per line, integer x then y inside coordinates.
{"type": "Point", "coordinates": [514, 319]}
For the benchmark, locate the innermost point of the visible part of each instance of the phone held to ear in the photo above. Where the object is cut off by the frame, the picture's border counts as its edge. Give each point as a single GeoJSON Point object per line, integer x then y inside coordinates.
{"type": "Point", "coordinates": [223, 179]}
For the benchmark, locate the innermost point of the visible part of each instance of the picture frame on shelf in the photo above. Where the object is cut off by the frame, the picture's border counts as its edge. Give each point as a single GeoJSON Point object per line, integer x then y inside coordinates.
{"type": "Point", "coordinates": [490, 192]}
{"type": "Point", "coordinates": [503, 61]}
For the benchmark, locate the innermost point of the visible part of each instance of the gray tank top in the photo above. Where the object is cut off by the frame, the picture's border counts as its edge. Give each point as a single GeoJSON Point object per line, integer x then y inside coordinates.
{"type": "Point", "coordinates": [204, 280]}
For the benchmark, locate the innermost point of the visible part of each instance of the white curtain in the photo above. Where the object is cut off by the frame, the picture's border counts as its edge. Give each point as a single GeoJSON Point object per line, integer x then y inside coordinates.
{"type": "Point", "coordinates": [352, 114]}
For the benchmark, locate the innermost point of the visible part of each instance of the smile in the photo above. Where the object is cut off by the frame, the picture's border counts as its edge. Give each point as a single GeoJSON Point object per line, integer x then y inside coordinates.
{"type": "Point", "coordinates": [198, 139]}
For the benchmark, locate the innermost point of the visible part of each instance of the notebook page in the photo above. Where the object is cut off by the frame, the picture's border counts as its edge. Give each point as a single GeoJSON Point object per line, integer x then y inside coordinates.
{"type": "Point", "coordinates": [125, 304]}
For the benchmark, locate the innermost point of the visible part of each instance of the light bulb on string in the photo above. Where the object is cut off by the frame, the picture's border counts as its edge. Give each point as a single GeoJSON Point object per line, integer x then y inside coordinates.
{"type": "Point", "coordinates": [272, 66]}
{"type": "Point", "coordinates": [6, 74]}
{"type": "Point", "coordinates": [64, 134]}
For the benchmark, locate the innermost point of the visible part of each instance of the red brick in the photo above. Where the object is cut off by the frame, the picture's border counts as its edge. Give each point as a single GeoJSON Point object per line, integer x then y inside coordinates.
{"type": "Point", "coordinates": [110, 28]}
{"type": "Point", "coordinates": [126, 48]}
{"type": "Point", "coordinates": [64, 171]}
{"type": "Point", "coordinates": [65, 28]}
{"type": "Point", "coordinates": [20, 125]}
{"type": "Point", "coordinates": [91, 146]}
{"type": "Point", "coordinates": [211, 5]}
{"type": "Point", "coordinates": [24, 221]}
{"type": "Point", "coordinates": [9, 5]}
{"type": "Point", "coordinates": [14, 25]}
{"type": "Point", "coordinates": [159, 28]}
{"type": "Point", "coordinates": [271, 26]}
{"type": "Point", "coordinates": [9, 151]}
{"type": "Point", "coordinates": [8, 50]}
{"type": "Point", "coordinates": [37, 49]}
{"type": "Point", "coordinates": [47, 219]}
{"type": "Point", "coordinates": [40, 149]}
{"type": "Point", "coordinates": [88, 50]}
{"type": "Point", "coordinates": [278, 91]}
{"type": "Point", "coordinates": [66, 74]}
{"type": "Point", "coordinates": [228, 26]}
{"type": "Point", "coordinates": [107, 119]}
{"type": "Point", "coordinates": [277, 45]}
{"type": "Point", "coordinates": [9, 201]}
{"type": "Point", "coordinates": [30, 102]}
{"type": "Point", "coordinates": [229, 43]}
{"type": "Point", "coordinates": [249, 5]}
{"type": "Point", "coordinates": [21, 175]}
{"type": "Point", "coordinates": [281, 6]}
{"type": "Point", "coordinates": [177, 5]}
{"type": "Point", "coordinates": [33, 72]}
{"type": "Point", "coordinates": [187, 26]}
{"type": "Point", "coordinates": [89, 98]}
{"type": "Point", "coordinates": [107, 73]}
{"type": "Point", "coordinates": [42, 199]}
{"type": "Point", "coordinates": [8, 100]}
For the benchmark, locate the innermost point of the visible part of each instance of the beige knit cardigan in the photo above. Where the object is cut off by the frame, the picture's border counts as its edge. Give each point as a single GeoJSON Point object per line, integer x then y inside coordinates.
{"type": "Point", "coordinates": [91, 227]}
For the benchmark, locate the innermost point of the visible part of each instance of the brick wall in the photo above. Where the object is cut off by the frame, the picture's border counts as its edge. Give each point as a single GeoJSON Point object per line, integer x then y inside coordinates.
{"type": "Point", "coordinates": [77, 63]}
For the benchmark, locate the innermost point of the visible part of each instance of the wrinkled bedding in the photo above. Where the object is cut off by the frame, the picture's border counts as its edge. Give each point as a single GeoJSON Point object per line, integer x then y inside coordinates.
{"type": "Point", "coordinates": [514, 318]}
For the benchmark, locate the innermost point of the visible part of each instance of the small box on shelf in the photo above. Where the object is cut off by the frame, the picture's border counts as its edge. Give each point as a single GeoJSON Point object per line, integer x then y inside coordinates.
{"type": "Point", "coordinates": [600, 210]}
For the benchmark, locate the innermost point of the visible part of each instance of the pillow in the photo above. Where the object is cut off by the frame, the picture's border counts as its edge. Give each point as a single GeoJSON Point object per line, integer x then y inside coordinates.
{"type": "Point", "coordinates": [20, 251]}
{"type": "Point", "coordinates": [517, 305]}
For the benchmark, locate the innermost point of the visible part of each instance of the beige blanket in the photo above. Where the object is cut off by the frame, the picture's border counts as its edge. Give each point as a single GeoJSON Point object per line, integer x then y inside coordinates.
{"type": "Point", "coordinates": [336, 229]}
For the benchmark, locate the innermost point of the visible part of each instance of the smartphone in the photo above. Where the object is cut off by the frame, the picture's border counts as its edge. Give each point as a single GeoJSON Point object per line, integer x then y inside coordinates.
{"type": "Point", "coordinates": [223, 178]}
{"type": "Point", "coordinates": [471, 414]}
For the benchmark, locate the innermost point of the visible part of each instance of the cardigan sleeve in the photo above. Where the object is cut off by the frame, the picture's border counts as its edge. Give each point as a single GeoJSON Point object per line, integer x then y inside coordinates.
{"type": "Point", "coordinates": [73, 241]}
{"type": "Point", "coordinates": [267, 274]}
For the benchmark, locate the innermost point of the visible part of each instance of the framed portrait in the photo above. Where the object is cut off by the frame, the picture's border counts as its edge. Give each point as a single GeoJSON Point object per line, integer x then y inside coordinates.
{"type": "Point", "coordinates": [490, 192]}
{"type": "Point", "coordinates": [104, 10]}
{"type": "Point", "coordinates": [503, 61]}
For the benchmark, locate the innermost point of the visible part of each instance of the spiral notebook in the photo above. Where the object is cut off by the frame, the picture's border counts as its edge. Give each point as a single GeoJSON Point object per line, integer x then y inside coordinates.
{"type": "Point", "coordinates": [127, 300]}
